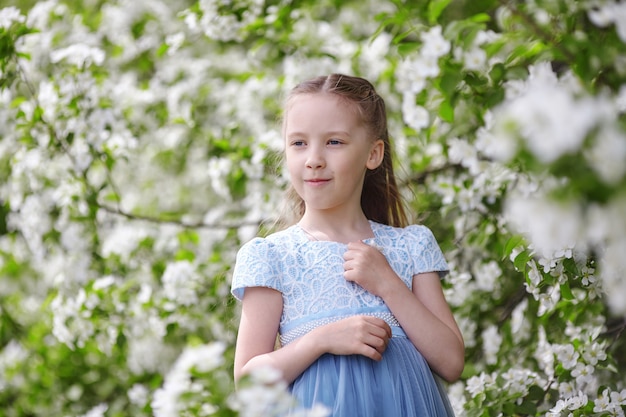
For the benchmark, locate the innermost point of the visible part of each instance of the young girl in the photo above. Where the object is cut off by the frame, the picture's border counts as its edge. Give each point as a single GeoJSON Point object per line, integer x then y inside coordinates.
{"type": "Point", "coordinates": [353, 292]}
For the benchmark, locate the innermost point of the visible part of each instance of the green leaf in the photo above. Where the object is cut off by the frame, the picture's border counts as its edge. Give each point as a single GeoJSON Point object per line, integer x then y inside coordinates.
{"type": "Point", "coordinates": [497, 73]}
{"type": "Point", "coordinates": [535, 393]}
{"type": "Point", "coordinates": [526, 408]}
{"type": "Point", "coordinates": [185, 255]}
{"type": "Point", "coordinates": [521, 260]}
{"type": "Point", "coordinates": [435, 8]}
{"type": "Point", "coordinates": [480, 18]}
{"type": "Point", "coordinates": [450, 79]}
{"type": "Point", "coordinates": [162, 50]}
{"type": "Point", "coordinates": [511, 244]}
{"type": "Point", "coordinates": [446, 111]}
{"type": "Point", "coordinates": [407, 48]}
{"type": "Point", "coordinates": [566, 292]}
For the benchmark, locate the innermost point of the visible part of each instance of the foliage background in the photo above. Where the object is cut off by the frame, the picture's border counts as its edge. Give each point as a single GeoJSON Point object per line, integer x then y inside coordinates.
{"type": "Point", "coordinates": [139, 148]}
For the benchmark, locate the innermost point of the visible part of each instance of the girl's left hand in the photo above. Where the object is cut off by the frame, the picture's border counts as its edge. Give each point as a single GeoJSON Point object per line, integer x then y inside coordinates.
{"type": "Point", "coordinates": [367, 266]}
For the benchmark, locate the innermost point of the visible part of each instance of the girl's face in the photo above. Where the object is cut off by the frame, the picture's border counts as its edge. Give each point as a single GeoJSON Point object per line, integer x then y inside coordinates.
{"type": "Point", "coordinates": [328, 150]}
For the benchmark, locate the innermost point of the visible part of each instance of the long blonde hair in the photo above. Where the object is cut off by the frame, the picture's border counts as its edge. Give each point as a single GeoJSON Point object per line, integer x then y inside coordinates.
{"type": "Point", "coordinates": [381, 200]}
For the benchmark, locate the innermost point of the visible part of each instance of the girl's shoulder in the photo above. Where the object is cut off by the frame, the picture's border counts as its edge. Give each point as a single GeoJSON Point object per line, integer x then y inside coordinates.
{"type": "Point", "coordinates": [413, 231]}
{"type": "Point", "coordinates": [418, 242]}
{"type": "Point", "coordinates": [285, 237]}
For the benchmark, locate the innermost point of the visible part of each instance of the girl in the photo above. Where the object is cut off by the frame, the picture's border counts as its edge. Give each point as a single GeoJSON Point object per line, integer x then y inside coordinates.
{"type": "Point", "coordinates": [353, 292]}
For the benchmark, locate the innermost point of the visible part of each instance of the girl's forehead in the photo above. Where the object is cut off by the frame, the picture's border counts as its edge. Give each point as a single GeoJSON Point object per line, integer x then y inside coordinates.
{"type": "Point", "coordinates": [308, 100]}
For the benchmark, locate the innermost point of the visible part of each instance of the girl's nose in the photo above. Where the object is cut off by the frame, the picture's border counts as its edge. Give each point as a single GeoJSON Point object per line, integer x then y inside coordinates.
{"type": "Point", "coordinates": [315, 160]}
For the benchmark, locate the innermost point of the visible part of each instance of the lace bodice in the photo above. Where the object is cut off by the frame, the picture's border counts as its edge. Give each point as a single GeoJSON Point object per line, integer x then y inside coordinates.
{"type": "Point", "coordinates": [309, 274]}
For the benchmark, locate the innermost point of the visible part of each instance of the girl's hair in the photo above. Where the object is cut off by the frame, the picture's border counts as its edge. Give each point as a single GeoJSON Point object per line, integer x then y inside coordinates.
{"type": "Point", "coordinates": [381, 200]}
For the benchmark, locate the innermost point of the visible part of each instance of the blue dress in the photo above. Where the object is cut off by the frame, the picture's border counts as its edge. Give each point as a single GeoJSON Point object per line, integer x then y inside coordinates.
{"type": "Point", "coordinates": [309, 274]}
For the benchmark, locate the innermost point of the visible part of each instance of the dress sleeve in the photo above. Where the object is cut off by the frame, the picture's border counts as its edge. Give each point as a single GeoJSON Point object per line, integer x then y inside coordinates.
{"type": "Point", "coordinates": [256, 265]}
{"type": "Point", "coordinates": [425, 251]}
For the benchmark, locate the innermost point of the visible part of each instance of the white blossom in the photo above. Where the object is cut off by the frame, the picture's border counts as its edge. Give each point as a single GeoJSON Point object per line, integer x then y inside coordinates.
{"type": "Point", "coordinates": [138, 394]}
{"type": "Point", "coordinates": [434, 44]}
{"type": "Point", "coordinates": [583, 374]}
{"type": "Point", "coordinates": [180, 283]}
{"type": "Point", "coordinates": [168, 400]}
{"type": "Point", "coordinates": [519, 325]}
{"type": "Point", "coordinates": [491, 344]}
{"type": "Point", "coordinates": [80, 55]}
{"type": "Point", "coordinates": [487, 276]}
{"type": "Point", "coordinates": [97, 411]}
{"type": "Point", "coordinates": [608, 153]}
{"type": "Point", "coordinates": [414, 115]}
{"type": "Point", "coordinates": [478, 384]}
{"type": "Point", "coordinates": [552, 228]}
{"type": "Point", "coordinates": [475, 59]}
{"type": "Point", "coordinates": [568, 356]}
{"type": "Point", "coordinates": [10, 15]}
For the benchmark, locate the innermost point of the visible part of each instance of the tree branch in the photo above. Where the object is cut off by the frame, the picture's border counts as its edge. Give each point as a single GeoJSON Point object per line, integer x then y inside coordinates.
{"type": "Point", "coordinates": [178, 222]}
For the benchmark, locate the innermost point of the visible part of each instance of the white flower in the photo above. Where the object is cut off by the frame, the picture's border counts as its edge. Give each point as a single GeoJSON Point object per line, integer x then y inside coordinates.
{"type": "Point", "coordinates": [619, 398]}
{"type": "Point", "coordinates": [487, 275]}
{"type": "Point", "coordinates": [576, 402]}
{"type": "Point", "coordinates": [619, 11]}
{"type": "Point", "coordinates": [551, 227]}
{"type": "Point", "coordinates": [518, 380]}
{"type": "Point", "coordinates": [174, 42]}
{"type": "Point", "coordinates": [613, 267]}
{"type": "Point", "coordinates": [602, 402]}
{"type": "Point", "coordinates": [48, 99]}
{"type": "Point", "coordinates": [97, 411]}
{"type": "Point", "coordinates": [415, 116]}
{"type": "Point", "coordinates": [475, 59]}
{"type": "Point", "coordinates": [480, 383]}
{"type": "Point", "coordinates": [549, 117]}
{"type": "Point", "coordinates": [558, 408]}
{"type": "Point", "coordinates": [608, 153]}
{"type": "Point", "coordinates": [148, 353]}
{"type": "Point", "coordinates": [583, 374]}
{"type": "Point", "coordinates": [567, 389]}
{"type": "Point", "coordinates": [266, 375]}
{"type": "Point", "coordinates": [79, 55]}
{"type": "Point", "coordinates": [180, 282]}
{"type": "Point", "coordinates": [104, 282]}
{"type": "Point", "coordinates": [9, 15]}
{"type": "Point", "coordinates": [138, 394]}
{"type": "Point", "coordinates": [218, 170]}
{"type": "Point", "coordinates": [594, 353]}
{"type": "Point", "coordinates": [435, 45]}
{"type": "Point", "coordinates": [167, 400]}
{"type": "Point", "coordinates": [486, 36]}
{"type": "Point", "coordinates": [122, 240]}
{"type": "Point", "coordinates": [462, 152]}
{"type": "Point", "coordinates": [620, 100]}
{"type": "Point", "coordinates": [519, 325]}
{"type": "Point", "coordinates": [495, 143]}
{"type": "Point", "coordinates": [602, 16]}
{"type": "Point", "coordinates": [267, 396]}
{"type": "Point", "coordinates": [568, 356]}
{"type": "Point", "coordinates": [544, 354]}
{"type": "Point", "coordinates": [491, 344]}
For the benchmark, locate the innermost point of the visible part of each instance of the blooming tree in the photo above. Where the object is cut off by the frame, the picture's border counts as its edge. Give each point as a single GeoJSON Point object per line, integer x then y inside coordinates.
{"type": "Point", "coordinates": [139, 148]}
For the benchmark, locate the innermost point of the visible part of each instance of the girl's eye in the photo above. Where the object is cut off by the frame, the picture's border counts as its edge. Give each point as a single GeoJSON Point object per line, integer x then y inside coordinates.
{"type": "Point", "coordinates": [334, 142]}
{"type": "Point", "coordinates": [297, 143]}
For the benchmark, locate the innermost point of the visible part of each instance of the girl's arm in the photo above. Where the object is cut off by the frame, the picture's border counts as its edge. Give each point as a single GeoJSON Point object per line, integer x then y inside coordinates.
{"type": "Point", "coordinates": [423, 313]}
{"type": "Point", "coordinates": [426, 318]}
{"type": "Point", "coordinates": [260, 317]}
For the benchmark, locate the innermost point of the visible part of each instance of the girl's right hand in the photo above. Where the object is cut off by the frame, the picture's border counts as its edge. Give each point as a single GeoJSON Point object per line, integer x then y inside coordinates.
{"type": "Point", "coordinates": [360, 335]}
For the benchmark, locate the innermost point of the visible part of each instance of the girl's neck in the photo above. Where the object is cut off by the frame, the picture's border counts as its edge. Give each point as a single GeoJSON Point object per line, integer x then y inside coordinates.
{"type": "Point", "coordinates": [342, 229]}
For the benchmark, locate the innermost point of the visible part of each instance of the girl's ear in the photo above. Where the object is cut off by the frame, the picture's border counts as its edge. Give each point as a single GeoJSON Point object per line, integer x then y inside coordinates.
{"type": "Point", "coordinates": [377, 153]}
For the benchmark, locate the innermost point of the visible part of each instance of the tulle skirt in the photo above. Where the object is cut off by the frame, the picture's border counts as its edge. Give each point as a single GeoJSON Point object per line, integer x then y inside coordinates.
{"type": "Point", "coordinates": [400, 385]}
